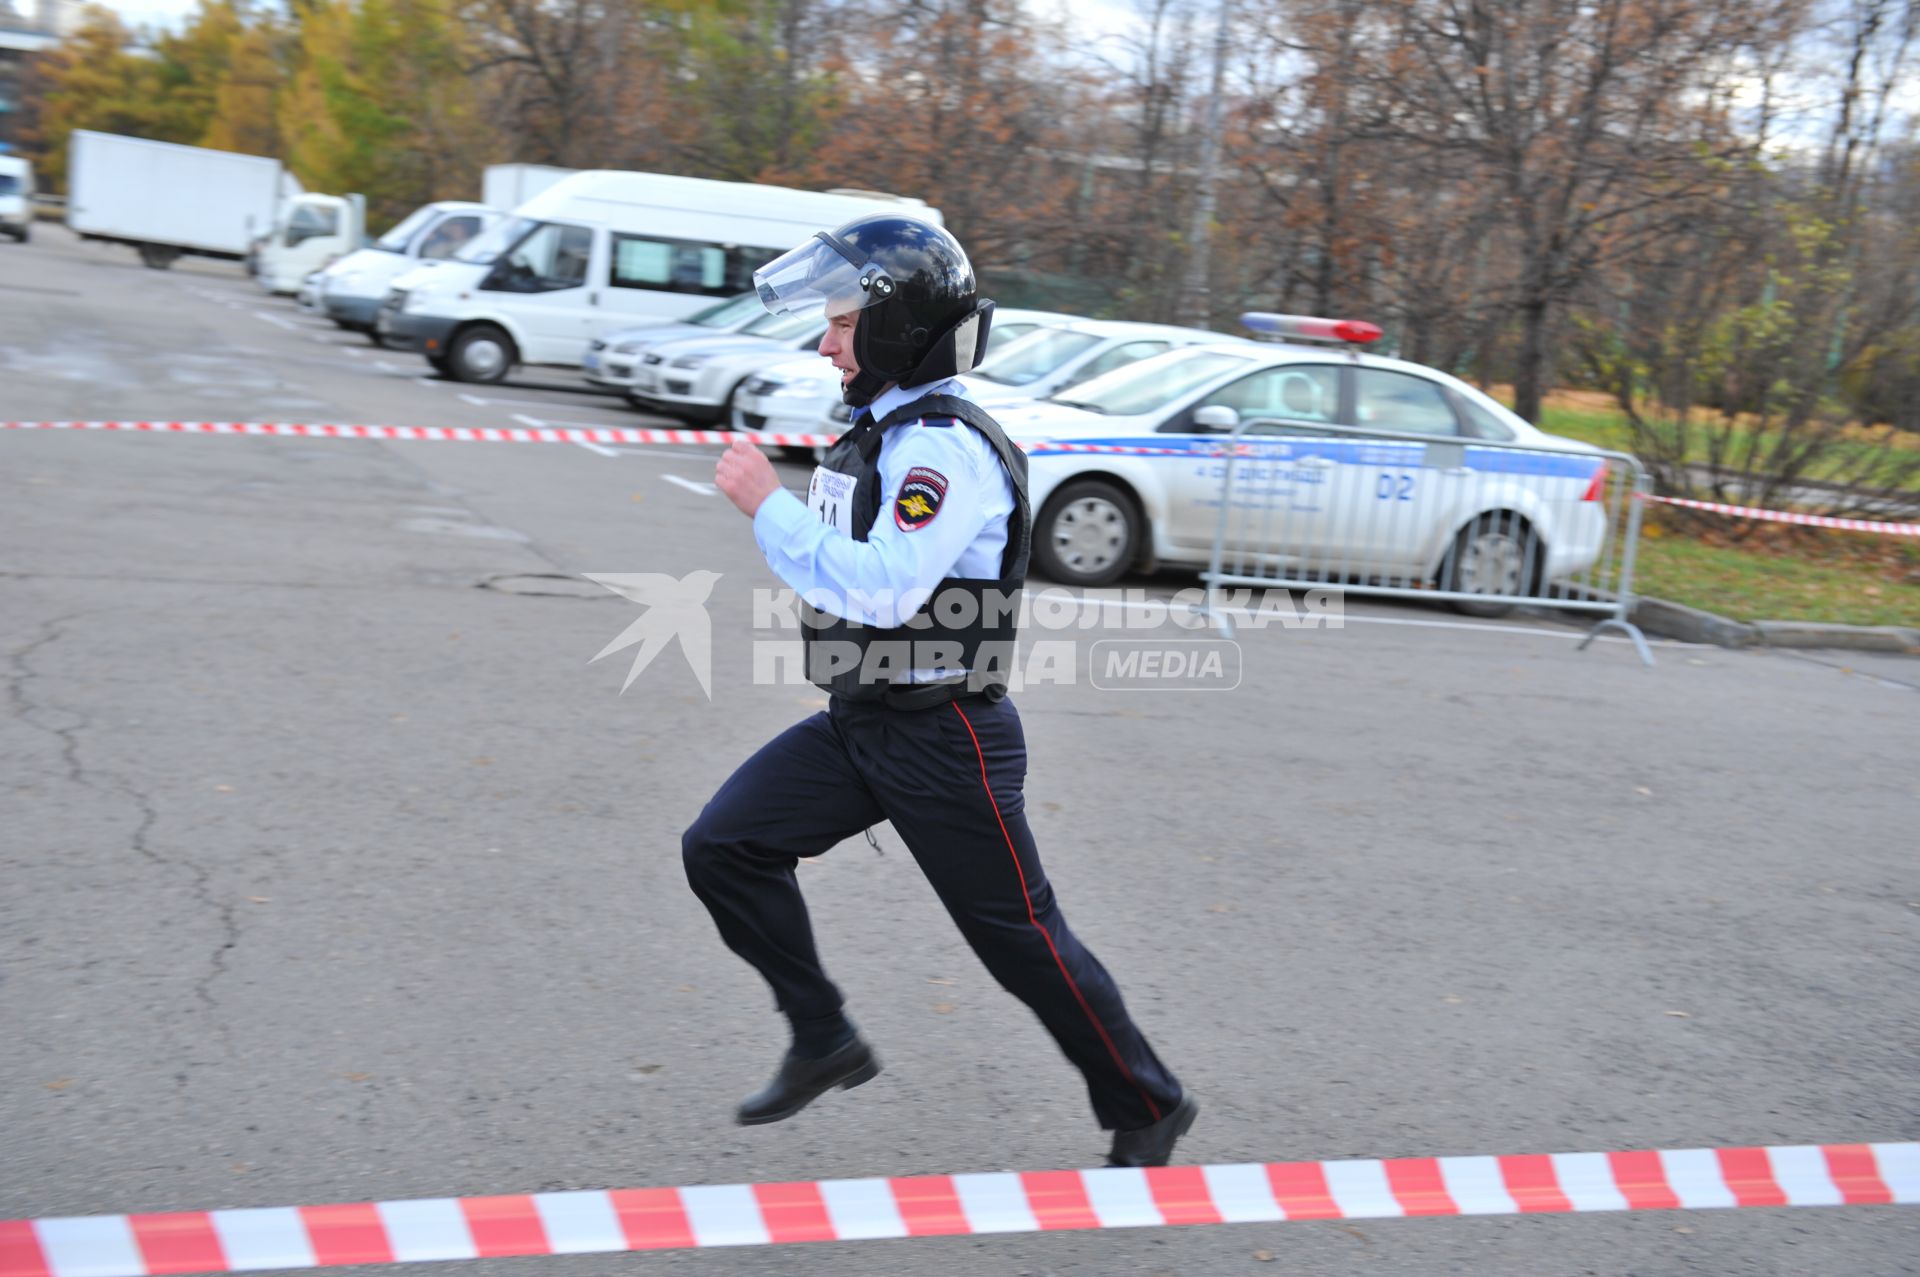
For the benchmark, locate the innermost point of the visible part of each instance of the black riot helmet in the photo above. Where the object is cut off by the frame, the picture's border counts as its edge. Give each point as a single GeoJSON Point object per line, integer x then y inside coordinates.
{"type": "Point", "coordinates": [921, 319]}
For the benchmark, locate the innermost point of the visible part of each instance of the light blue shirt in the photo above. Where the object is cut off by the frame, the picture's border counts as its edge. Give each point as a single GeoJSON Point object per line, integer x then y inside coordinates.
{"type": "Point", "coordinates": [885, 579]}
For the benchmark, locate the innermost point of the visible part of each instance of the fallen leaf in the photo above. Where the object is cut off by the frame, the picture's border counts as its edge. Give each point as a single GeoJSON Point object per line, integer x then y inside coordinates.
{"type": "Point", "coordinates": [1682, 1228]}
{"type": "Point", "coordinates": [481, 761]}
{"type": "Point", "coordinates": [1643, 791]}
{"type": "Point", "coordinates": [1264, 1256]}
{"type": "Point", "coordinates": [260, 900]}
{"type": "Point", "coordinates": [936, 980]}
{"type": "Point", "coordinates": [356, 1077]}
{"type": "Point", "coordinates": [60, 1084]}
{"type": "Point", "coordinates": [1681, 1015]}
{"type": "Point", "coordinates": [648, 1068]}
{"type": "Point", "coordinates": [223, 789]}
{"type": "Point", "coordinates": [1219, 908]}
{"type": "Point", "coordinates": [1453, 1000]}
{"type": "Point", "coordinates": [943, 1008]}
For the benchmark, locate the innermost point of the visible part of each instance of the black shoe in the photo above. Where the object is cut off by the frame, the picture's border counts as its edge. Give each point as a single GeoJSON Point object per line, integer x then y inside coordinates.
{"type": "Point", "coordinates": [801, 1081]}
{"type": "Point", "coordinates": [1153, 1145]}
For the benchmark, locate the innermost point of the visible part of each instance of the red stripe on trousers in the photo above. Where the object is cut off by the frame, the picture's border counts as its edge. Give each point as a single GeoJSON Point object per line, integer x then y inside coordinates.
{"type": "Point", "coordinates": [1856, 1173]}
{"type": "Point", "coordinates": [1418, 1187]}
{"type": "Point", "coordinates": [1301, 1190]}
{"type": "Point", "coordinates": [182, 1242]}
{"type": "Point", "coordinates": [652, 1218]}
{"type": "Point", "coordinates": [1064, 974]}
{"type": "Point", "coordinates": [1182, 1195]}
{"type": "Point", "coordinates": [1059, 1199]}
{"type": "Point", "coordinates": [1532, 1183]}
{"type": "Point", "coordinates": [352, 1234]}
{"type": "Point", "coordinates": [794, 1212]}
{"type": "Point", "coordinates": [928, 1205]}
{"type": "Point", "coordinates": [20, 1253]}
{"type": "Point", "coordinates": [1749, 1174]}
{"type": "Point", "coordinates": [506, 1225]}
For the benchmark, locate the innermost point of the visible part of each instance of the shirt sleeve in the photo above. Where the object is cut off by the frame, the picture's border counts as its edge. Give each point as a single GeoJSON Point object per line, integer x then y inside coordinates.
{"type": "Point", "coordinates": [885, 579]}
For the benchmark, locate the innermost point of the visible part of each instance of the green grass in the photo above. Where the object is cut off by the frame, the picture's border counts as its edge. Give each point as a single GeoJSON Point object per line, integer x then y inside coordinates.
{"type": "Point", "coordinates": [1838, 577]}
{"type": "Point", "coordinates": [1607, 428]}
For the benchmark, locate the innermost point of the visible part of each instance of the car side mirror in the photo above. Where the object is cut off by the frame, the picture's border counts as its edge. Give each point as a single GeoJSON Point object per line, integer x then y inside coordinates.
{"type": "Point", "coordinates": [1216, 417]}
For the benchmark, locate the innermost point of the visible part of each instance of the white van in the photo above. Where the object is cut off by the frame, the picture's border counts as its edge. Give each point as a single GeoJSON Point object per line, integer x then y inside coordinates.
{"type": "Point", "coordinates": [16, 197]}
{"type": "Point", "coordinates": [350, 291]}
{"type": "Point", "coordinates": [600, 250]}
{"type": "Point", "coordinates": [311, 232]}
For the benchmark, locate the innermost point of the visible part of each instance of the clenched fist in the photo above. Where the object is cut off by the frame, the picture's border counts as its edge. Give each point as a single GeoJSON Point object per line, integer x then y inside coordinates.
{"type": "Point", "coordinates": [746, 476]}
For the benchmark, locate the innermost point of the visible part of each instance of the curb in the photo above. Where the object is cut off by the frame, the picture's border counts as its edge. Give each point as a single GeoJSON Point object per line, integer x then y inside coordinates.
{"type": "Point", "coordinates": [1692, 625]}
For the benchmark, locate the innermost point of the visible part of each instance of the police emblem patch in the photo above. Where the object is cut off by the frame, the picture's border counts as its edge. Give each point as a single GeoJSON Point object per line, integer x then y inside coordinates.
{"type": "Point", "coordinates": [921, 493]}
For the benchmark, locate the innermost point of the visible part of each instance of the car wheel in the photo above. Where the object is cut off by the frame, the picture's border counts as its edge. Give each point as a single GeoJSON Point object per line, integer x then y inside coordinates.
{"type": "Point", "coordinates": [1495, 554]}
{"type": "Point", "coordinates": [158, 256]}
{"type": "Point", "coordinates": [482, 353]}
{"type": "Point", "coordinates": [438, 363]}
{"type": "Point", "coordinates": [1087, 534]}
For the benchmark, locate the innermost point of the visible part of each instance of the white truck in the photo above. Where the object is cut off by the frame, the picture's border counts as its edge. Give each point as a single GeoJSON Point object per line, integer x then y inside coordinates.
{"type": "Point", "coordinates": [508, 186]}
{"type": "Point", "coordinates": [167, 200]}
{"type": "Point", "coordinates": [16, 197]}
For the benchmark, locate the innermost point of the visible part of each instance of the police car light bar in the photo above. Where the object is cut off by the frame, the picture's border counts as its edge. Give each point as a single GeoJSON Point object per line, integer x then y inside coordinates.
{"type": "Point", "coordinates": [1308, 328]}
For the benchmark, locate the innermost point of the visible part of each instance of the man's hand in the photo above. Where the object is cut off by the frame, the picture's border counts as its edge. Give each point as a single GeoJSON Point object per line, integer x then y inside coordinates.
{"type": "Point", "coordinates": [746, 476]}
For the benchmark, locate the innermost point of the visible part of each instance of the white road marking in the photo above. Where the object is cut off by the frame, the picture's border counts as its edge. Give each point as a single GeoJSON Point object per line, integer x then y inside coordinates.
{"type": "Point", "coordinates": [602, 449]}
{"type": "Point", "coordinates": [432, 381]}
{"type": "Point", "coordinates": [275, 319]}
{"type": "Point", "coordinates": [704, 489]}
{"type": "Point", "coordinates": [525, 420]}
{"type": "Point", "coordinates": [386, 365]}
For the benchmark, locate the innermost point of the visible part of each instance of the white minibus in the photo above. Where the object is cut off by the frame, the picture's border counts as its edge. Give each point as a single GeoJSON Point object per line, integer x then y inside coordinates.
{"type": "Point", "coordinates": [600, 250]}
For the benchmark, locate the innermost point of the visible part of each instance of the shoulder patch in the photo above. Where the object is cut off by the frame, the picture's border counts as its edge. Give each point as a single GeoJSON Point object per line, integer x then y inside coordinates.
{"type": "Point", "coordinates": [939, 421]}
{"type": "Point", "coordinates": [921, 493]}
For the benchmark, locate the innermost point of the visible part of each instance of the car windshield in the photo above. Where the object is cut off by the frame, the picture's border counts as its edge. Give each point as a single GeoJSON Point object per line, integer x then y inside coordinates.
{"type": "Point", "coordinates": [1150, 384]}
{"type": "Point", "coordinates": [9, 184]}
{"type": "Point", "coordinates": [395, 240]}
{"type": "Point", "coordinates": [728, 313]}
{"type": "Point", "coordinates": [496, 239]}
{"type": "Point", "coordinates": [1035, 355]}
{"type": "Point", "coordinates": [782, 327]}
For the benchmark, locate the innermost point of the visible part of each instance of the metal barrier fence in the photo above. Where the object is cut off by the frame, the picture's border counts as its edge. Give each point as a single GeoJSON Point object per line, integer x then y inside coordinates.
{"type": "Point", "coordinates": [1489, 526]}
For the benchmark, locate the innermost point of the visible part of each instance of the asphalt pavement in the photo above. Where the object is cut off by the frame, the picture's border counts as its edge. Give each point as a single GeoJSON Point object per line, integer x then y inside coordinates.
{"type": "Point", "coordinates": [336, 870]}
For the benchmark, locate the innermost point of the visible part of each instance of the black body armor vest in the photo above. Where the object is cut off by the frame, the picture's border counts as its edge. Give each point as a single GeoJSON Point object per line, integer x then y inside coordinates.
{"type": "Point", "coordinates": [969, 623]}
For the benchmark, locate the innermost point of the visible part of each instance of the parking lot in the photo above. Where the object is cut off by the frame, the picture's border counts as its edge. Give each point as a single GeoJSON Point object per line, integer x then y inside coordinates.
{"type": "Point", "coordinates": [338, 872]}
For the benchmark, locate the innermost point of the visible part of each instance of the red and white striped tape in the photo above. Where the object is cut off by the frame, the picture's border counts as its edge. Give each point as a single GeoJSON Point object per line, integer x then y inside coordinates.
{"type": "Point", "coordinates": [933, 1205]}
{"type": "Point", "coordinates": [1788, 516]}
{"type": "Point", "coordinates": [515, 434]}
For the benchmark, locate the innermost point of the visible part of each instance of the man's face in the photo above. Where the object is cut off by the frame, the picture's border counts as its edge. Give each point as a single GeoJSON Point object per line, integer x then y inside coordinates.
{"type": "Point", "coordinates": [837, 344]}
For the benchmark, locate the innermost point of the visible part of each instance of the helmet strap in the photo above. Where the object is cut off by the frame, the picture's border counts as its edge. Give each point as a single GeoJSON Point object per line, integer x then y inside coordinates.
{"type": "Point", "coordinates": [860, 392]}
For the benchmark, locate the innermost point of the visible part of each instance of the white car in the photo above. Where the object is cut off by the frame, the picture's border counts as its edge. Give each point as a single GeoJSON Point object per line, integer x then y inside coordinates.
{"type": "Point", "coordinates": [357, 283]}
{"type": "Point", "coordinates": [612, 357]}
{"type": "Point", "coordinates": [1044, 362]}
{"type": "Point", "coordinates": [1311, 495]}
{"type": "Point", "coordinates": [799, 395]}
{"type": "Point", "coordinates": [694, 378]}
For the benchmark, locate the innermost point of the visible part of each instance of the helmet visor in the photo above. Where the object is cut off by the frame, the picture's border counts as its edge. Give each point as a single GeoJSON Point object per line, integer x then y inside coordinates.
{"type": "Point", "coordinates": [820, 278]}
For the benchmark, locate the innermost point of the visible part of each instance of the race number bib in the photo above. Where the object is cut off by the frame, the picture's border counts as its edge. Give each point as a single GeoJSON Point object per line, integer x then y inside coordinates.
{"type": "Point", "coordinates": [830, 497]}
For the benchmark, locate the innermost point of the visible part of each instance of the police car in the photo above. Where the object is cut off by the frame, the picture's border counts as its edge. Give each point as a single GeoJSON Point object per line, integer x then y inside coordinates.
{"type": "Point", "coordinates": [795, 396]}
{"type": "Point", "coordinates": [1476, 519]}
{"type": "Point", "coordinates": [694, 378]}
{"type": "Point", "coordinates": [1045, 362]}
{"type": "Point", "coordinates": [612, 357]}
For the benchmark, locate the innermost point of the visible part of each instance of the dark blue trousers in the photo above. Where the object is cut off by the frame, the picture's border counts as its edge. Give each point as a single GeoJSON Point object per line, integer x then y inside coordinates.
{"type": "Point", "coordinates": [950, 780]}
